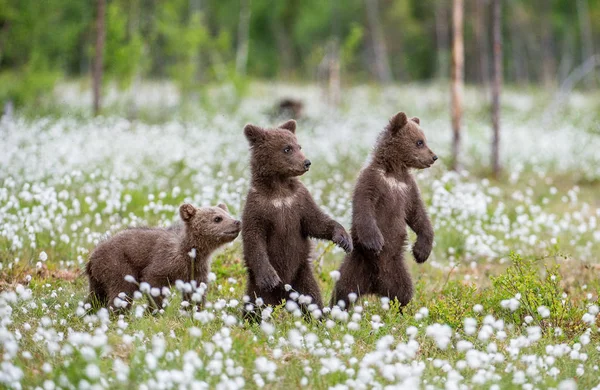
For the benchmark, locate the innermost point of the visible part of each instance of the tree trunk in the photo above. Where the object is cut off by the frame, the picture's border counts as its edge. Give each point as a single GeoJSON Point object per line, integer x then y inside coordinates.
{"type": "Point", "coordinates": [334, 73]}
{"type": "Point", "coordinates": [481, 39]}
{"type": "Point", "coordinates": [497, 84]}
{"type": "Point", "coordinates": [457, 78]}
{"type": "Point", "coordinates": [241, 57]}
{"type": "Point", "coordinates": [98, 57]}
{"type": "Point", "coordinates": [382, 62]}
{"type": "Point", "coordinates": [3, 32]}
{"type": "Point", "coordinates": [441, 34]}
{"type": "Point", "coordinates": [548, 58]}
{"type": "Point", "coordinates": [587, 43]}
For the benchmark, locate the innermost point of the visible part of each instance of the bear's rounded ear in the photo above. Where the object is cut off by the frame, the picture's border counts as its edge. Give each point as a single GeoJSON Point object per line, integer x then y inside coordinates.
{"type": "Point", "coordinates": [253, 133]}
{"type": "Point", "coordinates": [223, 206]}
{"type": "Point", "coordinates": [397, 122]}
{"type": "Point", "coordinates": [289, 125]}
{"type": "Point", "coordinates": [416, 120]}
{"type": "Point", "coordinates": [187, 211]}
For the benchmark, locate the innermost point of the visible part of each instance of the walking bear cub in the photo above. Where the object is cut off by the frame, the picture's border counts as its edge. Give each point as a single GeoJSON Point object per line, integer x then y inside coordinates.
{"type": "Point", "coordinates": [159, 256]}
{"type": "Point", "coordinates": [279, 217]}
{"type": "Point", "coordinates": [386, 198]}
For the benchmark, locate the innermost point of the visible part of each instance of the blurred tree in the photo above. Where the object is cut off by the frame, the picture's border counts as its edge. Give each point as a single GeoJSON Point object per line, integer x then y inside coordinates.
{"type": "Point", "coordinates": [379, 49]}
{"type": "Point", "coordinates": [241, 60]}
{"type": "Point", "coordinates": [587, 43]}
{"type": "Point", "coordinates": [497, 84]}
{"type": "Point", "coordinates": [98, 55]}
{"type": "Point", "coordinates": [457, 78]}
{"type": "Point", "coordinates": [195, 42]}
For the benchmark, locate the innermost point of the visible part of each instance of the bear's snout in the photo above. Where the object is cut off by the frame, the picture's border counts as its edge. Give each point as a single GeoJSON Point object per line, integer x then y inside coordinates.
{"type": "Point", "coordinates": [238, 223]}
{"type": "Point", "coordinates": [307, 164]}
{"type": "Point", "coordinates": [435, 157]}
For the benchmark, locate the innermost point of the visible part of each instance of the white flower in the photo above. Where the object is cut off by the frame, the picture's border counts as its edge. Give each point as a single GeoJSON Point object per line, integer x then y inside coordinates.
{"type": "Point", "coordinates": [267, 328]}
{"type": "Point", "coordinates": [92, 371]}
{"type": "Point", "coordinates": [130, 279]}
{"type": "Point", "coordinates": [43, 256]}
{"type": "Point", "coordinates": [335, 275]}
{"type": "Point", "coordinates": [543, 311]}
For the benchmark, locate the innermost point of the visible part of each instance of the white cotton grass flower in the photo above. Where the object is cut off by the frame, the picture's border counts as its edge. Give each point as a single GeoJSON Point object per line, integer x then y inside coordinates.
{"type": "Point", "coordinates": [335, 275]}
{"type": "Point", "coordinates": [92, 371]}
{"type": "Point", "coordinates": [43, 256]}
{"type": "Point", "coordinates": [440, 333]}
{"type": "Point", "coordinates": [267, 328]}
{"type": "Point", "coordinates": [543, 311]}
{"type": "Point", "coordinates": [422, 313]}
{"type": "Point", "coordinates": [130, 279]}
{"type": "Point", "coordinates": [192, 253]}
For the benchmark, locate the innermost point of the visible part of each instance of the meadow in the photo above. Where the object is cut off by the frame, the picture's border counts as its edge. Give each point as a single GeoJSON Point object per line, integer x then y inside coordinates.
{"type": "Point", "coordinates": [508, 298]}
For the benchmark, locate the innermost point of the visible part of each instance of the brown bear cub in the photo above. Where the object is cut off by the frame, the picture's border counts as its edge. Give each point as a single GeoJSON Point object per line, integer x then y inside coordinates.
{"type": "Point", "coordinates": [386, 199]}
{"type": "Point", "coordinates": [280, 216]}
{"type": "Point", "coordinates": [159, 256]}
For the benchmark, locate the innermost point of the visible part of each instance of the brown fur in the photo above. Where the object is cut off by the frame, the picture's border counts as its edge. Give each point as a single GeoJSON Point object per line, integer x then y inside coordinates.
{"type": "Point", "coordinates": [159, 256]}
{"type": "Point", "coordinates": [386, 199]}
{"type": "Point", "coordinates": [290, 108]}
{"type": "Point", "coordinates": [279, 217]}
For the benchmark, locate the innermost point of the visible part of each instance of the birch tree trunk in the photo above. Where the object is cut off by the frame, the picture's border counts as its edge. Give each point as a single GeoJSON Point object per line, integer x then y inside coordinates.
{"type": "Point", "coordinates": [382, 62]}
{"type": "Point", "coordinates": [496, 85]}
{"type": "Point", "coordinates": [98, 55]}
{"type": "Point", "coordinates": [241, 57]}
{"type": "Point", "coordinates": [457, 79]}
{"type": "Point", "coordinates": [587, 43]}
{"type": "Point", "coordinates": [548, 58]}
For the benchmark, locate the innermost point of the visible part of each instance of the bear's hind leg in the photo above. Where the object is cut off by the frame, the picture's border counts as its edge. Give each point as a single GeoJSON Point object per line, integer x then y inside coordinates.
{"type": "Point", "coordinates": [97, 296]}
{"type": "Point", "coordinates": [356, 276]}
{"type": "Point", "coordinates": [306, 284]}
{"type": "Point", "coordinates": [396, 282]}
{"type": "Point", "coordinates": [251, 312]}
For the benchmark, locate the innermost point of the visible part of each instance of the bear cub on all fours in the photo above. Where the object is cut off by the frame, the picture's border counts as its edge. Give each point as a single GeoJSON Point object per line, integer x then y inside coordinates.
{"type": "Point", "coordinates": [160, 256]}
{"type": "Point", "coordinates": [386, 199]}
{"type": "Point", "coordinates": [279, 218]}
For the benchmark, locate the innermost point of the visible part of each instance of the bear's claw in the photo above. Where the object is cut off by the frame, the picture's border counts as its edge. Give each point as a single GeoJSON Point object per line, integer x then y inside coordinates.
{"type": "Point", "coordinates": [343, 240]}
{"type": "Point", "coordinates": [270, 281]}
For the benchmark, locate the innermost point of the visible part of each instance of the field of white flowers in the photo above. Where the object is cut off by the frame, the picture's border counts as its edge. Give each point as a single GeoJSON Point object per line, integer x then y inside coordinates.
{"type": "Point", "coordinates": [508, 299]}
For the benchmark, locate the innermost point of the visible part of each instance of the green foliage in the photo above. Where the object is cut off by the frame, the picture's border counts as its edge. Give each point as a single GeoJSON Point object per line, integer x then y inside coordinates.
{"type": "Point", "coordinates": [522, 281]}
{"type": "Point", "coordinates": [124, 47]}
{"type": "Point", "coordinates": [453, 303]}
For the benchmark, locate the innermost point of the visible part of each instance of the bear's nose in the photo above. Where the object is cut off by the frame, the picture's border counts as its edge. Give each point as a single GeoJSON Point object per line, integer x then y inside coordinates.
{"type": "Point", "coordinates": [435, 157]}
{"type": "Point", "coordinates": [238, 223]}
{"type": "Point", "coordinates": [307, 164]}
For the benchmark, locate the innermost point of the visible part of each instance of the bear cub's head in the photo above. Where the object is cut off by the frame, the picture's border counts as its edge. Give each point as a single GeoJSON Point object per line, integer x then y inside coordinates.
{"type": "Point", "coordinates": [209, 224]}
{"type": "Point", "coordinates": [403, 143]}
{"type": "Point", "coordinates": [276, 152]}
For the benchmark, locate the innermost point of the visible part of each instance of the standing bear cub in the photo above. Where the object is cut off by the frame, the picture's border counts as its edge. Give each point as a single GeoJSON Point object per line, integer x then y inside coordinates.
{"type": "Point", "coordinates": [280, 216]}
{"type": "Point", "coordinates": [386, 199]}
{"type": "Point", "coordinates": [159, 256]}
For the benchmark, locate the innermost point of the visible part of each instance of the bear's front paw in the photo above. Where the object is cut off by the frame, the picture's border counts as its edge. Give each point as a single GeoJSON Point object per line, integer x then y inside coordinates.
{"type": "Point", "coordinates": [421, 251]}
{"type": "Point", "coordinates": [373, 241]}
{"type": "Point", "coordinates": [269, 281]}
{"type": "Point", "coordinates": [342, 239]}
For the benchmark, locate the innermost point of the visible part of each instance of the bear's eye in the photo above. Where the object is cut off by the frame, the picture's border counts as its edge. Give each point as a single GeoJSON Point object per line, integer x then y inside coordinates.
{"type": "Point", "coordinates": [287, 149]}
{"type": "Point", "coordinates": [419, 143]}
{"type": "Point", "coordinates": [218, 219]}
